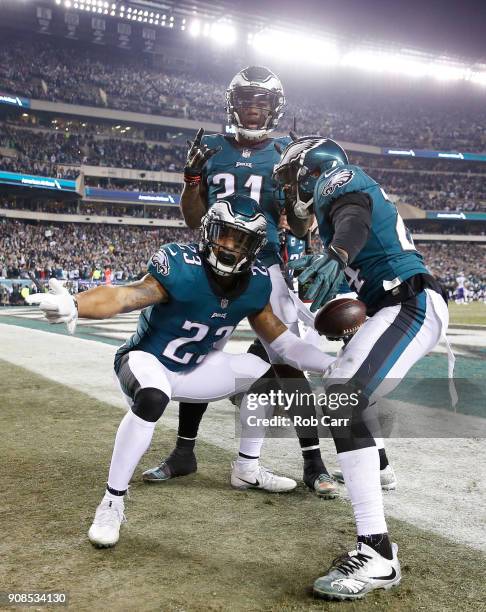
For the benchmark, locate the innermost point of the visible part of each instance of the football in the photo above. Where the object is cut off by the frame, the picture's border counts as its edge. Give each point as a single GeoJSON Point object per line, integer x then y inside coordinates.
{"type": "Point", "coordinates": [340, 317]}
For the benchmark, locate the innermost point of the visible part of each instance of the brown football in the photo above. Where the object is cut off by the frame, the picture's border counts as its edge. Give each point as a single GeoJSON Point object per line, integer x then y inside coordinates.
{"type": "Point", "coordinates": [340, 317]}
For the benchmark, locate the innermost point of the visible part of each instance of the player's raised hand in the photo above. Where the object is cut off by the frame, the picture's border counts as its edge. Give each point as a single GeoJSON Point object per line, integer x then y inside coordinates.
{"type": "Point", "coordinates": [325, 273]}
{"type": "Point", "coordinates": [197, 156]}
{"type": "Point", "coordinates": [58, 305]}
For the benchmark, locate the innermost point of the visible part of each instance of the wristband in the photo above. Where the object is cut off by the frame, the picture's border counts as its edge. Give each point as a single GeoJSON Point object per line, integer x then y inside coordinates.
{"type": "Point", "coordinates": [192, 179]}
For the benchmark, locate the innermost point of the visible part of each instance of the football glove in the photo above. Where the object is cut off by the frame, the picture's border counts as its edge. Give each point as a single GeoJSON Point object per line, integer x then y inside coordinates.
{"type": "Point", "coordinates": [58, 305]}
{"type": "Point", "coordinates": [197, 156]}
{"type": "Point", "coordinates": [325, 273]}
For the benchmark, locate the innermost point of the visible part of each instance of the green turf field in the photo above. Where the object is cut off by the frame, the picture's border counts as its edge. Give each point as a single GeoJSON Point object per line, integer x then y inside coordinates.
{"type": "Point", "coordinates": [192, 544]}
{"type": "Point", "coordinates": [467, 314]}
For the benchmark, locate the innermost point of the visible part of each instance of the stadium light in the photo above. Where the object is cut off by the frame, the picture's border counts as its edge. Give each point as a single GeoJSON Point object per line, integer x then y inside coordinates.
{"type": "Point", "coordinates": [478, 78]}
{"type": "Point", "coordinates": [294, 47]}
{"type": "Point", "coordinates": [444, 72]}
{"type": "Point", "coordinates": [195, 28]}
{"type": "Point", "coordinates": [223, 34]}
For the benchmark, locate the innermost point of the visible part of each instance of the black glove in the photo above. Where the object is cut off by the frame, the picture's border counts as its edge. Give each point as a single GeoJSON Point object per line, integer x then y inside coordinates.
{"type": "Point", "coordinates": [197, 156]}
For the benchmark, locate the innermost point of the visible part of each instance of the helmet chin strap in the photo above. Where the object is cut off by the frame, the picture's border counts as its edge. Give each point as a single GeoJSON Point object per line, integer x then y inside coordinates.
{"type": "Point", "coordinates": [301, 209]}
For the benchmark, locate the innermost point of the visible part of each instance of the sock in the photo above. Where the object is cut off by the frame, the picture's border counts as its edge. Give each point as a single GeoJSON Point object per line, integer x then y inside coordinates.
{"type": "Point", "coordinates": [190, 416]}
{"type": "Point", "coordinates": [115, 497]}
{"type": "Point", "coordinates": [310, 449]}
{"type": "Point", "coordinates": [312, 458]}
{"type": "Point", "coordinates": [296, 384]}
{"type": "Point", "coordinates": [379, 542]}
{"type": "Point", "coordinates": [132, 440]}
{"type": "Point", "coordinates": [185, 446]}
{"type": "Point", "coordinates": [252, 432]}
{"type": "Point", "coordinates": [383, 458]}
{"type": "Point", "coordinates": [246, 460]}
{"type": "Point", "coordinates": [250, 448]}
{"type": "Point", "coordinates": [361, 471]}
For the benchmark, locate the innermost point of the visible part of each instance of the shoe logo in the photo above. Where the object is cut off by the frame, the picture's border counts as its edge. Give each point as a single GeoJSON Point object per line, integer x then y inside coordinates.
{"type": "Point", "coordinates": [253, 484]}
{"type": "Point", "coordinates": [389, 577]}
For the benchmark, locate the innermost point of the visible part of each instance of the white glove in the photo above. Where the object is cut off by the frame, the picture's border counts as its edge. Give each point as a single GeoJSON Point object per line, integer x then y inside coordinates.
{"type": "Point", "coordinates": [57, 305]}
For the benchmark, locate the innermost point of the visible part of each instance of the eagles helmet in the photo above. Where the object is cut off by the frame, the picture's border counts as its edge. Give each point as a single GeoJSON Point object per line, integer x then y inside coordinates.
{"type": "Point", "coordinates": [232, 233]}
{"type": "Point", "coordinates": [301, 164]}
{"type": "Point", "coordinates": [255, 86]}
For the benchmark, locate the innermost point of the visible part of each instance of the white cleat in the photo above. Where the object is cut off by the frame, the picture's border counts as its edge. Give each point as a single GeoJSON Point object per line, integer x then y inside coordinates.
{"type": "Point", "coordinates": [388, 479]}
{"type": "Point", "coordinates": [105, 530]}
{"type": "Point", "coordinates": [357, 573]}
{"type": "Point", "coordinates": [258, 477]}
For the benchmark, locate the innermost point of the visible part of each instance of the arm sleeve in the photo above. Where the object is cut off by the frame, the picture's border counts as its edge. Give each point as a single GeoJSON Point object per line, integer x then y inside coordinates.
{"type": "Point", "coordinates": [350, 216]}
{"type": "Point", "coordinates": [299, 354]}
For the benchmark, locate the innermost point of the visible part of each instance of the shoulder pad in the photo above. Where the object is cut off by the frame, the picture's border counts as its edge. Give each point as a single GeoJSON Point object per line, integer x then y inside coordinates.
{"type": "Point", "coordinates": [345, 179]}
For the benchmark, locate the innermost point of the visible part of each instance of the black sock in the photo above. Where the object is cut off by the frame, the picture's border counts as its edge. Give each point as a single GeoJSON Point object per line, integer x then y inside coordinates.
{"type": "Point", "coordinates": [184, 446]}
{"type": "Point", "coordinates": [383, 458]}
{"type": "Point", "coordinates": [312, 458]}
{"type": "Point", "coordinates": [379, 542]}
{"type": "Point", "coordinates": [190, 416]}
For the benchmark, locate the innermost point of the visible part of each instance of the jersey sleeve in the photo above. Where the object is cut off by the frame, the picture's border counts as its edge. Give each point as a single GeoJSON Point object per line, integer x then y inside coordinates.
{"type": "Point", "coordinates": [166, 265]}
{"type": "Point", "coordinates": [345, 179]}
{"type": "Point", "coordinates": [261, 286]}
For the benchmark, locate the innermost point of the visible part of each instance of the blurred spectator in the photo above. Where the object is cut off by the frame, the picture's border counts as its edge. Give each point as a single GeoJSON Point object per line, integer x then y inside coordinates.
{"type": "Point", "coordinates": [76, 251]}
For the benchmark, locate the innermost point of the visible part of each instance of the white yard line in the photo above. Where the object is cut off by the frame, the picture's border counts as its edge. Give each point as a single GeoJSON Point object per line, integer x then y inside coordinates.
{"type": "Point", "coordinates": [441, 480]}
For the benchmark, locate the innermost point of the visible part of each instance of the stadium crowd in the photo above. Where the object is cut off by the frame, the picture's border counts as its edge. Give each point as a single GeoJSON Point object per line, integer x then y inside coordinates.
{"type": "Point", "coordinates": [435, 191]}
{"type": "Point", "coordinates": [51, 147]}
{"type": "Point", "coordinates": [48, 70]}
{"type": "Point", "coordinates": [75, 251]}
{"type": "Point", "coordinates": [133, 185]}
{"type": "Point", "coordinates": [447, 260]}
{"type": "Point", "coordinates": [149, 211]}
{"type": "Point", "coordinates": [41, 151]}
{"type": "Point", "coordinates": [83, 252]}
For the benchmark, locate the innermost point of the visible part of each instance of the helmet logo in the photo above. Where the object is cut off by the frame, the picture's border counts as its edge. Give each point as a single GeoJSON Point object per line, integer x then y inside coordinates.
{"type": "Point", "coordinates": [338, 180]}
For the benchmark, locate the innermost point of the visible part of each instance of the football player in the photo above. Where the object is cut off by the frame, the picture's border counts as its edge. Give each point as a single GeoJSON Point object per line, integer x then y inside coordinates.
{"type": "Point", "coordinates": [220, 165]}
{"type": "Point", "coordinates": [365, 240]}
{"type": "Point", "coordinates": [193, 297]}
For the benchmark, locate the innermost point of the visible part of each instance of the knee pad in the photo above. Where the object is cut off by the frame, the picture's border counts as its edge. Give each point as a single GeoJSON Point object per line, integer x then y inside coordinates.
{"type": "Point", "coordinates": [149, 404]}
